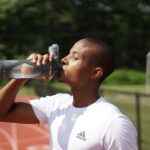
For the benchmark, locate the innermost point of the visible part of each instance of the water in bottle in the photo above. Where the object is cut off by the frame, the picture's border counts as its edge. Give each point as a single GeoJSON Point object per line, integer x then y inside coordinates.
{"type": "Point", "coordinates": [19, 69]}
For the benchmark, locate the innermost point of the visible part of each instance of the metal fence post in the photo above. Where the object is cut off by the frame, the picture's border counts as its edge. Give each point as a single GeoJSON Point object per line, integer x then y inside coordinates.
{"type": "Point", "coordinates": [138, 119]}
{"type": "Point", "coordinates": [148, 72]}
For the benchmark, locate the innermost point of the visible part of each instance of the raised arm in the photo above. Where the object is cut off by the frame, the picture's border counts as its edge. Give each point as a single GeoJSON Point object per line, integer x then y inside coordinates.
{"type": "Point", "coordinates": [11, 111]}
{"type": "Point", "coordinates": [19, 112]}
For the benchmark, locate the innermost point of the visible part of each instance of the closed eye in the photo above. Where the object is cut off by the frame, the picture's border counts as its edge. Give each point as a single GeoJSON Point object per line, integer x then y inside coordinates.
{"type": "Point", "coordinates": [75, 56]}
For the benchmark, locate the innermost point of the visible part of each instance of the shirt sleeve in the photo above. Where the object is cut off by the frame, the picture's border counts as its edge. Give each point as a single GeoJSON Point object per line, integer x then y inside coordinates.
{"type": "Point", "coordinates": [121, 135]}
{"type": "Point", "coordinates": [42, 108]}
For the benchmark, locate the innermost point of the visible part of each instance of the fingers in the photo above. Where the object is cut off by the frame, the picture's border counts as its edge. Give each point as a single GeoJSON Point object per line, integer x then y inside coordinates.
{"type": "Point", "coordinates": [45, 59]}
{"type": "Point", "coordinates": [39, 59]}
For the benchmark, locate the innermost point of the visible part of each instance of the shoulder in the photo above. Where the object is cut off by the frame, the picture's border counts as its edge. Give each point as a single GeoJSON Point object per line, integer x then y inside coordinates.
{"type": "Point", "coordinates": [60, 100]}
{"type": "Point", "coordinates": [120, 134]}
{"type": "Point", "coordinates": [120, 125]}
{"type": "Point", "coordinates": [116, 119]}
{"type": "Point", "coordinates": [44, 106]}
{"type": "Point", "coordinates": [107, 108]}
{"type": "Point", "coordinates": [58, 97]}
{"type": "Point", "coordinates": [54, 100]}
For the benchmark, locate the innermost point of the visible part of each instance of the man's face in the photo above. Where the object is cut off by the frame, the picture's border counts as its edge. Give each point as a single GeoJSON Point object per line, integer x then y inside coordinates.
{"type": "Point", "coordinates": [77, 65]}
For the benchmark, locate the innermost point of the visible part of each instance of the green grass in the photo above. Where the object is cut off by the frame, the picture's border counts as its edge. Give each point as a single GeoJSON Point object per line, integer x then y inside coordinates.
{"type": "Point", "coordinates": [60, 86]}
{"type": "Point", "coordinates": [130, 88]}
{"type": "Point", "coordinates": [26, 91]}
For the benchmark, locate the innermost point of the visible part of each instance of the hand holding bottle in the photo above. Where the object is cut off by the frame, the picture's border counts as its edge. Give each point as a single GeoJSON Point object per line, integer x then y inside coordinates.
{"type": "Point", "coordinates": [36, 66]}
{"type": "Point", "coordinates": [38, 60]}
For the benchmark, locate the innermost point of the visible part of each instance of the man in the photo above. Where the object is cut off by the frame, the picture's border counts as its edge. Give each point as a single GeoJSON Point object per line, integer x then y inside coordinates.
{"type": "Point", "coordinates": [83, 121]}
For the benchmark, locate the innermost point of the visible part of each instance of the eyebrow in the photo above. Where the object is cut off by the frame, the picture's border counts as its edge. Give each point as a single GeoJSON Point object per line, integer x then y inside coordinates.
{"type": "Point", "coordinates": [74, 52]}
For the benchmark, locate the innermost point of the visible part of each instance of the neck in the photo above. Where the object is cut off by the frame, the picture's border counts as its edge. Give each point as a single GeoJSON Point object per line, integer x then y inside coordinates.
{"type": "Point", "coordinates": [84, 97]}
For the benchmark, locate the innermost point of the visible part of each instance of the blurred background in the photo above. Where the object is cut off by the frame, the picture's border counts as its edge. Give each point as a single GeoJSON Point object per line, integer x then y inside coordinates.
{"type": "Point", "coordinates": [30, 26]}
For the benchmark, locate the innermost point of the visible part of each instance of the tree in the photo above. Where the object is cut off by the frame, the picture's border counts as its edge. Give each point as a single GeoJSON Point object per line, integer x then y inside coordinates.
{"type": "Point", "coordinates": [32, 25]}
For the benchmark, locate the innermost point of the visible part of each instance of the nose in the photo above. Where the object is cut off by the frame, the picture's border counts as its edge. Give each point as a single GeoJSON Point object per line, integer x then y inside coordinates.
{"type": "Point", "coordinates": [64, 61]}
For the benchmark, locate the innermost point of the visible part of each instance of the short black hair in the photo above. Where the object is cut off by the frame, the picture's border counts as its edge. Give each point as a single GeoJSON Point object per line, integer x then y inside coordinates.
{"type": "Point", "coordinates": [105, 57]}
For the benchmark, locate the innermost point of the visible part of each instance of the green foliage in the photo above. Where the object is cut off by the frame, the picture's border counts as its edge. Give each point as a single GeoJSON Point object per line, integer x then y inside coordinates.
{"type": "Point", "coordinates": [3, 82]}
{"type": "Point", "coordinates": [28, 26]}
{"type": "Point", "coordinates": [126, 77]}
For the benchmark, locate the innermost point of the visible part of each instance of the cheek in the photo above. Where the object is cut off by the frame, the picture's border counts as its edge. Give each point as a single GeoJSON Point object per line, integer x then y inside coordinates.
{"type": "Point", "coordinates": [72, 73]}
{"type": "Point", "coordinates": [78, 74]}
{"type": "Point", "coordinates": [75, 72]}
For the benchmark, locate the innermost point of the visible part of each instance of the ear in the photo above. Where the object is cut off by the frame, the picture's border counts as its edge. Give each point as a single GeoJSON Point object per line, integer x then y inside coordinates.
{"type": "Point", "coordinates": [97, 73]}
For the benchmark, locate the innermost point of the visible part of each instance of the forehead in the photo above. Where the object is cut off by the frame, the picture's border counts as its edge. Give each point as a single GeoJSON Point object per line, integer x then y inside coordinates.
{"type": "Point", "coordinates": [85, 48]}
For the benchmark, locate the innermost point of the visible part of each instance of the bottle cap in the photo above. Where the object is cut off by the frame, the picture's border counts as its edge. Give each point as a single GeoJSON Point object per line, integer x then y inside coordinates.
{"type": "Point", "coordinates": [54, 50]}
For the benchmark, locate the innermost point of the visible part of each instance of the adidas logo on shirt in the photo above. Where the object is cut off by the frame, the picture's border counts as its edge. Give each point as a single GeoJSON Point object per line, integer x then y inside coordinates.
{"type": "Point", "coordinates": [81, 136]}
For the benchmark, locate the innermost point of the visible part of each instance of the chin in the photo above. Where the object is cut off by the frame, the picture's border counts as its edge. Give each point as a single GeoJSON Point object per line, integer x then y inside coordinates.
{"type": "Point", "coordinates": [61, 77]}
{"type": "Point", "coordinates": [63, 80]}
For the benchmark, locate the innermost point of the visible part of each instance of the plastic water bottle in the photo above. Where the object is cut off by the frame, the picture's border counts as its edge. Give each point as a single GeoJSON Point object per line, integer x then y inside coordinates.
{"type": "Point", "coordinates": [19, 69]}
